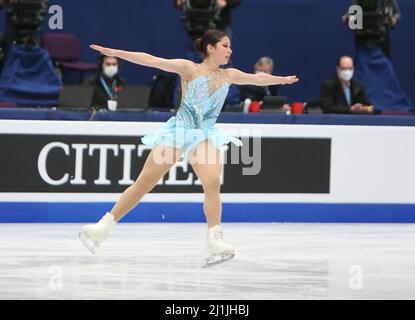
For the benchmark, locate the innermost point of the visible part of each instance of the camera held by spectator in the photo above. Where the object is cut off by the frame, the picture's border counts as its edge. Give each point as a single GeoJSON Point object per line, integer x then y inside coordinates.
{"type": "Point", "coordinates": [378, 17]}
{"type": "Point", "coordinates": [202, 15]}
{"type": "Point", "coordinates": [198, 16]}
{"type": "Point", "coordinates": [26, 17]}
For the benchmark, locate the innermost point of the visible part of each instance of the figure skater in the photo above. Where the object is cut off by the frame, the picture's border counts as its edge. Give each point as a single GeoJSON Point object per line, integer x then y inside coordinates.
{"type": "Point", "coordinates": [191, 133]}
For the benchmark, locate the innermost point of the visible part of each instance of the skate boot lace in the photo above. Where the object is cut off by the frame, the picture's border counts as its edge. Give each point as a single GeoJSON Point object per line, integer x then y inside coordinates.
{"type": "Point", "coordinates": [218, 233]}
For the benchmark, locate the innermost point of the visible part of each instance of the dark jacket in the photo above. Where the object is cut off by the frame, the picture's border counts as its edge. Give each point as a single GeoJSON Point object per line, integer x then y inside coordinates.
{"type": "Point", "coordinates": [100, 97]}
{"type": "Point", "coordinates": [391, 6]}
{"type": "Point", "coordinates": [257, 93]}
{"type": "Point", "coordinates": [224, 20]}
{"type": "Point", "coordinates": [333, 99]}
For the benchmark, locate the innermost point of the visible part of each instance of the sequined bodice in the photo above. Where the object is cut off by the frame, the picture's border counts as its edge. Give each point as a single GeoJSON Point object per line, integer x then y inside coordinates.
{"type": "Point", "coordinates": [202, 99]}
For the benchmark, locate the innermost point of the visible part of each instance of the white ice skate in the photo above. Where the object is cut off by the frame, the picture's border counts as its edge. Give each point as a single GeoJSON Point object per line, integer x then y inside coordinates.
{"type": "Point", "coordinates": [93, 235]}
{"type": "Point", "coordinates": [217, 250]}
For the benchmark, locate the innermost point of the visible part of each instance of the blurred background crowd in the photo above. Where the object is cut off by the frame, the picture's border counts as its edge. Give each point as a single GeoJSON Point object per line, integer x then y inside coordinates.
{"type": "Point", "coordinates": [45, 61]}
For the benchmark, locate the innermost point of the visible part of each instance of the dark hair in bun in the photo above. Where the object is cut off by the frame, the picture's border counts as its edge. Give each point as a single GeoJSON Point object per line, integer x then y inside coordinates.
{"type": "Point", "coordinates": [210, 37]}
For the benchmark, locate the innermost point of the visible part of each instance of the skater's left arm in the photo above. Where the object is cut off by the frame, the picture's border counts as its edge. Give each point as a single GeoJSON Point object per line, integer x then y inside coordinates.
{"type": "Point", "coordinates": [259, 79]}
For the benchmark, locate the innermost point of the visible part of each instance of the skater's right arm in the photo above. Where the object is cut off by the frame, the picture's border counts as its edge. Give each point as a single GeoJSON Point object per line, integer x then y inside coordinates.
{"type": "Point", "coordinates": [180, 66]}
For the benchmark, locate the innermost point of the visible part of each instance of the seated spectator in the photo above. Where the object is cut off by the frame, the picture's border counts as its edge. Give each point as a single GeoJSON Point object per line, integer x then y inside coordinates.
{"type": "Point", "coordinates": [257, 93]}
{"type": "Point", "coordinates": [107, 82]}
{"type": "Point", "coordinates": [343, 94]}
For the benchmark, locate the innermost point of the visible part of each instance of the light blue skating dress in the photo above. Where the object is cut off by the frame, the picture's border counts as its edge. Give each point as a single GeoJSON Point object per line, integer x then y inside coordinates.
{"type": "Point", "coordinates": [202, 100]}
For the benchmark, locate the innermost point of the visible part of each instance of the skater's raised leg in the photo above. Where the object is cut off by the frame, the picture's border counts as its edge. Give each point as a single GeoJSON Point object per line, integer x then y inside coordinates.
{"type": "Point", "coordinates": [157, 164]}
{"type": "Point", "coordinates": [206, 162]}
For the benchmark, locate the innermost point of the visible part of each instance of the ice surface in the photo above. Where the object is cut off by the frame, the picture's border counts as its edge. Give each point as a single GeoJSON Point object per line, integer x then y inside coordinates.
{"type": "Point", "coordinates": [164, 261]}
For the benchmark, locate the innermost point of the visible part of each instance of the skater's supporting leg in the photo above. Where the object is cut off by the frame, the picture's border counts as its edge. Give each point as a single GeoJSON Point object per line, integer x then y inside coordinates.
{"type": "Point", "coordinates": [206, 162]}
{"type": "Point", "coordinates": [152, 172]}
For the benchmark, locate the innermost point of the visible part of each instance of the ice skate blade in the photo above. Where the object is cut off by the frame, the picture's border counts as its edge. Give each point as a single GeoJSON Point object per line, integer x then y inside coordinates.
{"type": "Point", "coordinates": [87, 241]}
{"type": "Point", "coordinates": [210, 263]}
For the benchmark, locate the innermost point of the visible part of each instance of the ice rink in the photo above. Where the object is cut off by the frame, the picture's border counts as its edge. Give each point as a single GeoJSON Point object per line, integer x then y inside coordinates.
{"type": "Point", "coordinates": [163, 261]}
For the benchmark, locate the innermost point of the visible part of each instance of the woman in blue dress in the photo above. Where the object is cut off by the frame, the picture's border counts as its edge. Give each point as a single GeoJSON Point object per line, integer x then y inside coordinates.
{"type": "Point", "coordinates": [191, 133]}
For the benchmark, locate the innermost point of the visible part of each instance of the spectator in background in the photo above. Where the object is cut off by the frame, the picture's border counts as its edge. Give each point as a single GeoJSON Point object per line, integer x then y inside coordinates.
{"type": "Point", "coordinates": [107, 82]}
{"type": "Point", "coordinates": [221, 19]}
{"type": "Point", "coordinates": [343, 94]}
{"type": "Point", "coordinates": [23, 20]}
{"type": "Point", "coordinates": [379, 17]}
{"type": "Point", "coordinates": [8, 36]}
{"type": "Point", "coordinates": [255, 93]}
{"type": "Point", "coordinates": [200, 16]}
{"type": "Point", "coordinates": [9, 33]}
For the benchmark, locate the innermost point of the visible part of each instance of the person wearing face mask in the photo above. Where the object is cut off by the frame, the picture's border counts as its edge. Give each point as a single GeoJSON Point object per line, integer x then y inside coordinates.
{"type": "Point", "coordinates": [257, 93]}
{"type": "Point", "coordinates": [343, 94]}
{"type": "Point", "coordinates": [107, 82]}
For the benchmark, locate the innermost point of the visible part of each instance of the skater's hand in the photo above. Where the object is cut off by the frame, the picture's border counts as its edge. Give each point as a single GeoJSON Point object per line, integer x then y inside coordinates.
{"type": "Point", "coordinates": [289, 80]}
{"type": "Point", "coordinates": [105, 51]}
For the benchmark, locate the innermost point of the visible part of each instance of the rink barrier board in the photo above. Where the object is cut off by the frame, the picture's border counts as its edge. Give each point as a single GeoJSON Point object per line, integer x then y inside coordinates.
{"type": "Point", "coordinates": [370, 177]}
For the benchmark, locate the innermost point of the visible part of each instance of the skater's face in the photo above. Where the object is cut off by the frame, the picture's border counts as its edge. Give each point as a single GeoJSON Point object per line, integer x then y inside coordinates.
{"type": "Point", "coordinates": [222, 51]}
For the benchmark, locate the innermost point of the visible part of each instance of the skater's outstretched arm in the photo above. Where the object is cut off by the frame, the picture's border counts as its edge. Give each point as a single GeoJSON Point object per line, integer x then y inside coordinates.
{"type": "Point", "coordinates": [259, 79]}
{"type": "Point", "coordinates": [180, 66]}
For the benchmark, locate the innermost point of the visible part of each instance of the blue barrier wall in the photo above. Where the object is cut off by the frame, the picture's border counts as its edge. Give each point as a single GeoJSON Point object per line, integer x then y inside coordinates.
{"type": "Point", "coordinates": [303, 36]}
{"type": "Point", "coordinates": [41, 212]}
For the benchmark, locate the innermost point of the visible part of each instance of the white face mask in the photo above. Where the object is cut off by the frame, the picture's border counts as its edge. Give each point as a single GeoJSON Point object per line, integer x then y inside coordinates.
{"type": "Point", "coordinates": [110, 71]}
{"type": "Point", "coordinates": [346, 75]}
